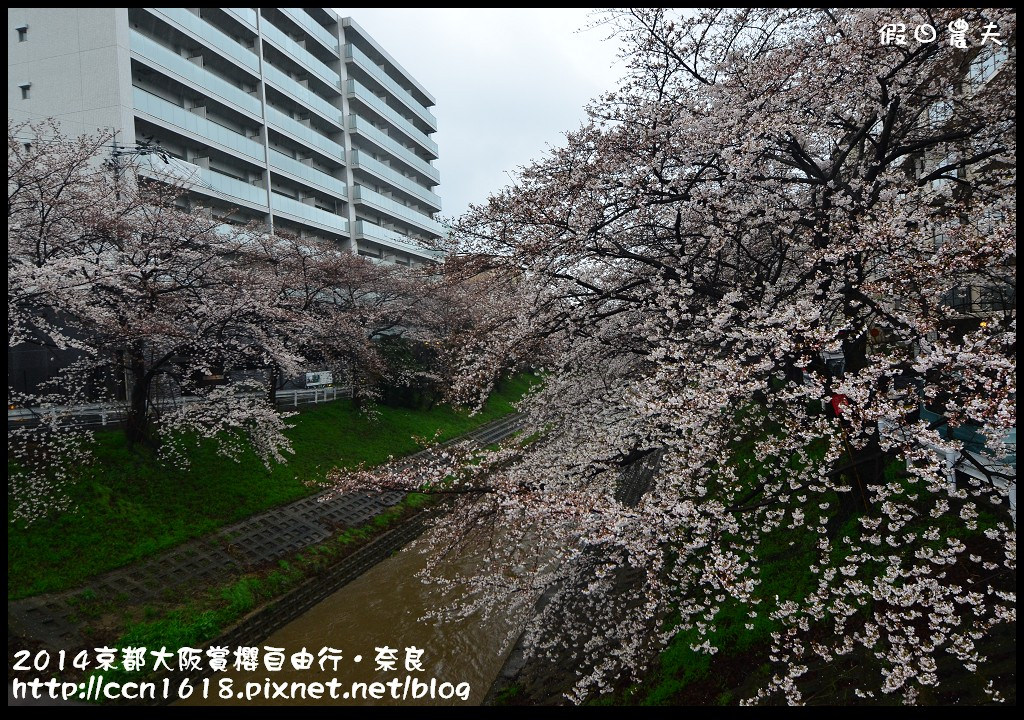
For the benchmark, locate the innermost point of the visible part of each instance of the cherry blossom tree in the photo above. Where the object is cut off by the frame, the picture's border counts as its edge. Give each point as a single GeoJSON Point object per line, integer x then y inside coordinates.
{"type": "Point", "coordinates": [152, 302]}
{"type": "Point", "coordinates": [340, 306]}
{"type": "Point", "coordinates": [739, 272]}
{"type": "Point", "coordinates": [150, 296]}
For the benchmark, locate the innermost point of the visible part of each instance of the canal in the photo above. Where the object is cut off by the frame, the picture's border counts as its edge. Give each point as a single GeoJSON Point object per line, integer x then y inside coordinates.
{"type": "Point", "coordinates": [384, 607]}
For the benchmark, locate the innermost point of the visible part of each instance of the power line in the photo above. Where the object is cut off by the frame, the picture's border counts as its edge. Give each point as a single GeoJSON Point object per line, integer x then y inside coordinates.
{"type": "Point", "coordinates": [38, 140]}
{"type": "Point", "coordinates": [140, 148]}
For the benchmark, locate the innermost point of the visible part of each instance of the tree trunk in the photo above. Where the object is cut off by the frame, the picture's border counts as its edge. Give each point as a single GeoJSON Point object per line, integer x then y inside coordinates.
{"type": "Point", "coordinates": [353, 379]}
{"type": "Point", "coordinates": [274, 373]}
{"type": "Point", "coordinates": [137, 425]}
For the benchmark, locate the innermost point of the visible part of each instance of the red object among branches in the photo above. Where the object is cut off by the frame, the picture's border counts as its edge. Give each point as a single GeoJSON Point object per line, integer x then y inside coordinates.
{"type": "Point", "coordinates": [838, 402]}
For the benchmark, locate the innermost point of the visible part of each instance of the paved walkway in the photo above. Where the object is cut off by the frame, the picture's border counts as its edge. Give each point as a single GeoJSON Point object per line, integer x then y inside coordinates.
{"type": "Point", "coordinates": [251, 543]}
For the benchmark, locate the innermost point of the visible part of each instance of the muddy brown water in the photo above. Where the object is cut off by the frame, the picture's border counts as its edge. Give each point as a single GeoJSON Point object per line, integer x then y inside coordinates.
{"type": "Point", "coordinates": [382, 607]}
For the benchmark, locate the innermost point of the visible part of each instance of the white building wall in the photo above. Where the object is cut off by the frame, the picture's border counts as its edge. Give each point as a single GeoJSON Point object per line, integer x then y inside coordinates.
{"type": "Point", "coordinates": [77, 63]}
{"type": "Point", "coordinates": [79, 66]}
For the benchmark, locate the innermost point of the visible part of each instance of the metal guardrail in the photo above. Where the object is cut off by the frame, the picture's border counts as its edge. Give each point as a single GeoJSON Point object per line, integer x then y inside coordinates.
{"type": "Point", "coordinates": [103, 414]}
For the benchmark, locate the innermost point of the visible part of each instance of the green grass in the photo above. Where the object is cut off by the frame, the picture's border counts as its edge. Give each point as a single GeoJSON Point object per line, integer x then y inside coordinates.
{"type": "Point", "coordinates": [508, 695]}
{"type": "Point", "coordinates": [130, 506]}
{"type": "Point", "coordinates": [784, 559]}
{"type": "Point", "coordinates": [216, 608]}
{"type": "Point", "coordinates": [784, 572]}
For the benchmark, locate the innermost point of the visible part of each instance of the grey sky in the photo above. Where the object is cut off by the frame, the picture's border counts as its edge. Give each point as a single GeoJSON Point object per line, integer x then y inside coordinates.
{"type": "Point", "coordinates": [508, 83]}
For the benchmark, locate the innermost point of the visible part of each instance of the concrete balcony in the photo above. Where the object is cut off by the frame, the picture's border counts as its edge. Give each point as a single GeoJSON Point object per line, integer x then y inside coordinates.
{"type": "Point", "coordinates": [304, 173]}
{"type": "Point", "coordinates": [168, 62]}
{"type": "Point", "coordinates": [365, 128]}
{"type": "Point", "coordinates": [176, 117]}
{"type": "Point", "coordinates": [299, 54]}
{"type": "Point", "coordinates": [315, 29]}
{"type": "Point", "coordinates": [363, 61]}
{"type": "Point", "coordinates": [300, 212]}
{"type": "Point", "coordinates": [210, 36]}
{"type": "Point", "coordinates": [386, 205]}
{"type": "Point", "coordinates": [304, 134]}
{"type": "Point", "coordinates": [296, 90]}
{"type": "Point", "coordinates": [368, 231]}
{"type": "Point", "coordinates": [355, 89]}
{"type": "Point", "coordinates": [362, 161]}
{"type": "Point", "coordinates": [176, 171]}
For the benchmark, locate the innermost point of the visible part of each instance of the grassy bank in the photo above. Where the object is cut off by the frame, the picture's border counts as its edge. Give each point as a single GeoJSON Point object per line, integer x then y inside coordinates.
{"type": "Point", "coordinates": [212, 608]}
{"type": "Point", "coordinates": [130, 506]}
{"type": "Point", "coordinates": [785, 556]}
{"type": "Point", "coordinates": [684, 676]}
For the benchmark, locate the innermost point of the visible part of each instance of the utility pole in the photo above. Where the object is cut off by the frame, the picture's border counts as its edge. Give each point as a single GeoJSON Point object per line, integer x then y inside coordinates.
{"type": "Point", "coordinates": [115, 164]}
{"type": "Point", "coordinates": [146, 147]}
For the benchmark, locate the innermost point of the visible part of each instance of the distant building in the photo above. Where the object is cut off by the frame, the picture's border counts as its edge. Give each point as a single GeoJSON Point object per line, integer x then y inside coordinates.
{"type": "Point", "coordinates": [295, 116]}
{"type": "Point", "coordinates": [979, 295]}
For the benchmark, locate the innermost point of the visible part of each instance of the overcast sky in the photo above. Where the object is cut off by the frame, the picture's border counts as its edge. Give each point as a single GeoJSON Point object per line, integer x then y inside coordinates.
{"type": "Point", "coordinates": [508, 84]}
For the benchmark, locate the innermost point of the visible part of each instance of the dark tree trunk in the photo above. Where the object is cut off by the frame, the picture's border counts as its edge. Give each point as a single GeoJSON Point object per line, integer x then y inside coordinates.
{"type": "Point", "coordinates": [275, 374]}
{"type": "Point", "coordinates": [137, 425]}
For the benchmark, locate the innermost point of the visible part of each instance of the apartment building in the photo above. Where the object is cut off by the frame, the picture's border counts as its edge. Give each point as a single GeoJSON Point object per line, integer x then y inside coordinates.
{"type": "Point", "coordinates": [983, 293]}
{"type": "Point", "coordinates": [978, 296]}
{"type": "Point", "coordinates": [296, 116]}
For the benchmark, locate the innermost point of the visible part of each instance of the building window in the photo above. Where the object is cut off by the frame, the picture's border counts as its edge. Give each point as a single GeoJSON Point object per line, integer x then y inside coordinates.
{"type": "Point", "coordinates": [986, 63]}
{"type": "Point", "coordinates": [997, 298]}
{"type": "Point", "coordinates": [25, 91]}
{"type": "Point", "coordinates": [22, 33]}
{"type": "Point", "coordinates": [958, 298]}
{"type": "Point", "coordinates": [949, 172]}
{"type": "Point", "coordinates": [939, 113]}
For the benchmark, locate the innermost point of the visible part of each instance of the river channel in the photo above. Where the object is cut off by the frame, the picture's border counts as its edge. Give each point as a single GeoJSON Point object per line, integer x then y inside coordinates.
{"type": "Point", "coordinates": [382, 607]}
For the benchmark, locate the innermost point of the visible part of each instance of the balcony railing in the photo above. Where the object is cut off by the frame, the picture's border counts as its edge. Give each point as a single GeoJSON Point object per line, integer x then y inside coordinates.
{"type": "Point", "coordinates": [322, 180]}
{"type": "Point", "coordinates": [356, 89]}
{"type": "Point", "coordinates": [217, 87]}
{"type": "Point", "coordinates": [290, 86]}
{"type": "Point", "coordinates": [387, 205]}
{"type": "Point", "coordinates": [179, 117]}
{"type": "Point", "coordinates": [301, 17]}
{"type": "Point", "coordinates": [279, 121]}
{"type": "Point", "coordinates": [218, 41]}
{"type": "Point", "coordinates": [213, 180]}
{"type": "Point", "coordinates": [188, 175]}
{"type": "Point", "coordinates": [363, 161]}
{"type": "Point", "coordinates": [400, 152]}
{"type": "Point", "coordinates": [392, 239]}
{"type": "Point", "coordinates": [246, 16]}
{"type": "Point", "coordinates": [361, 59]}
{"type": "Point", "coordinates": [972, 437]}
{"type": "Point", "coordinates": [310, 213]}
{"type": "Point", "coordinates": [300, 54]}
